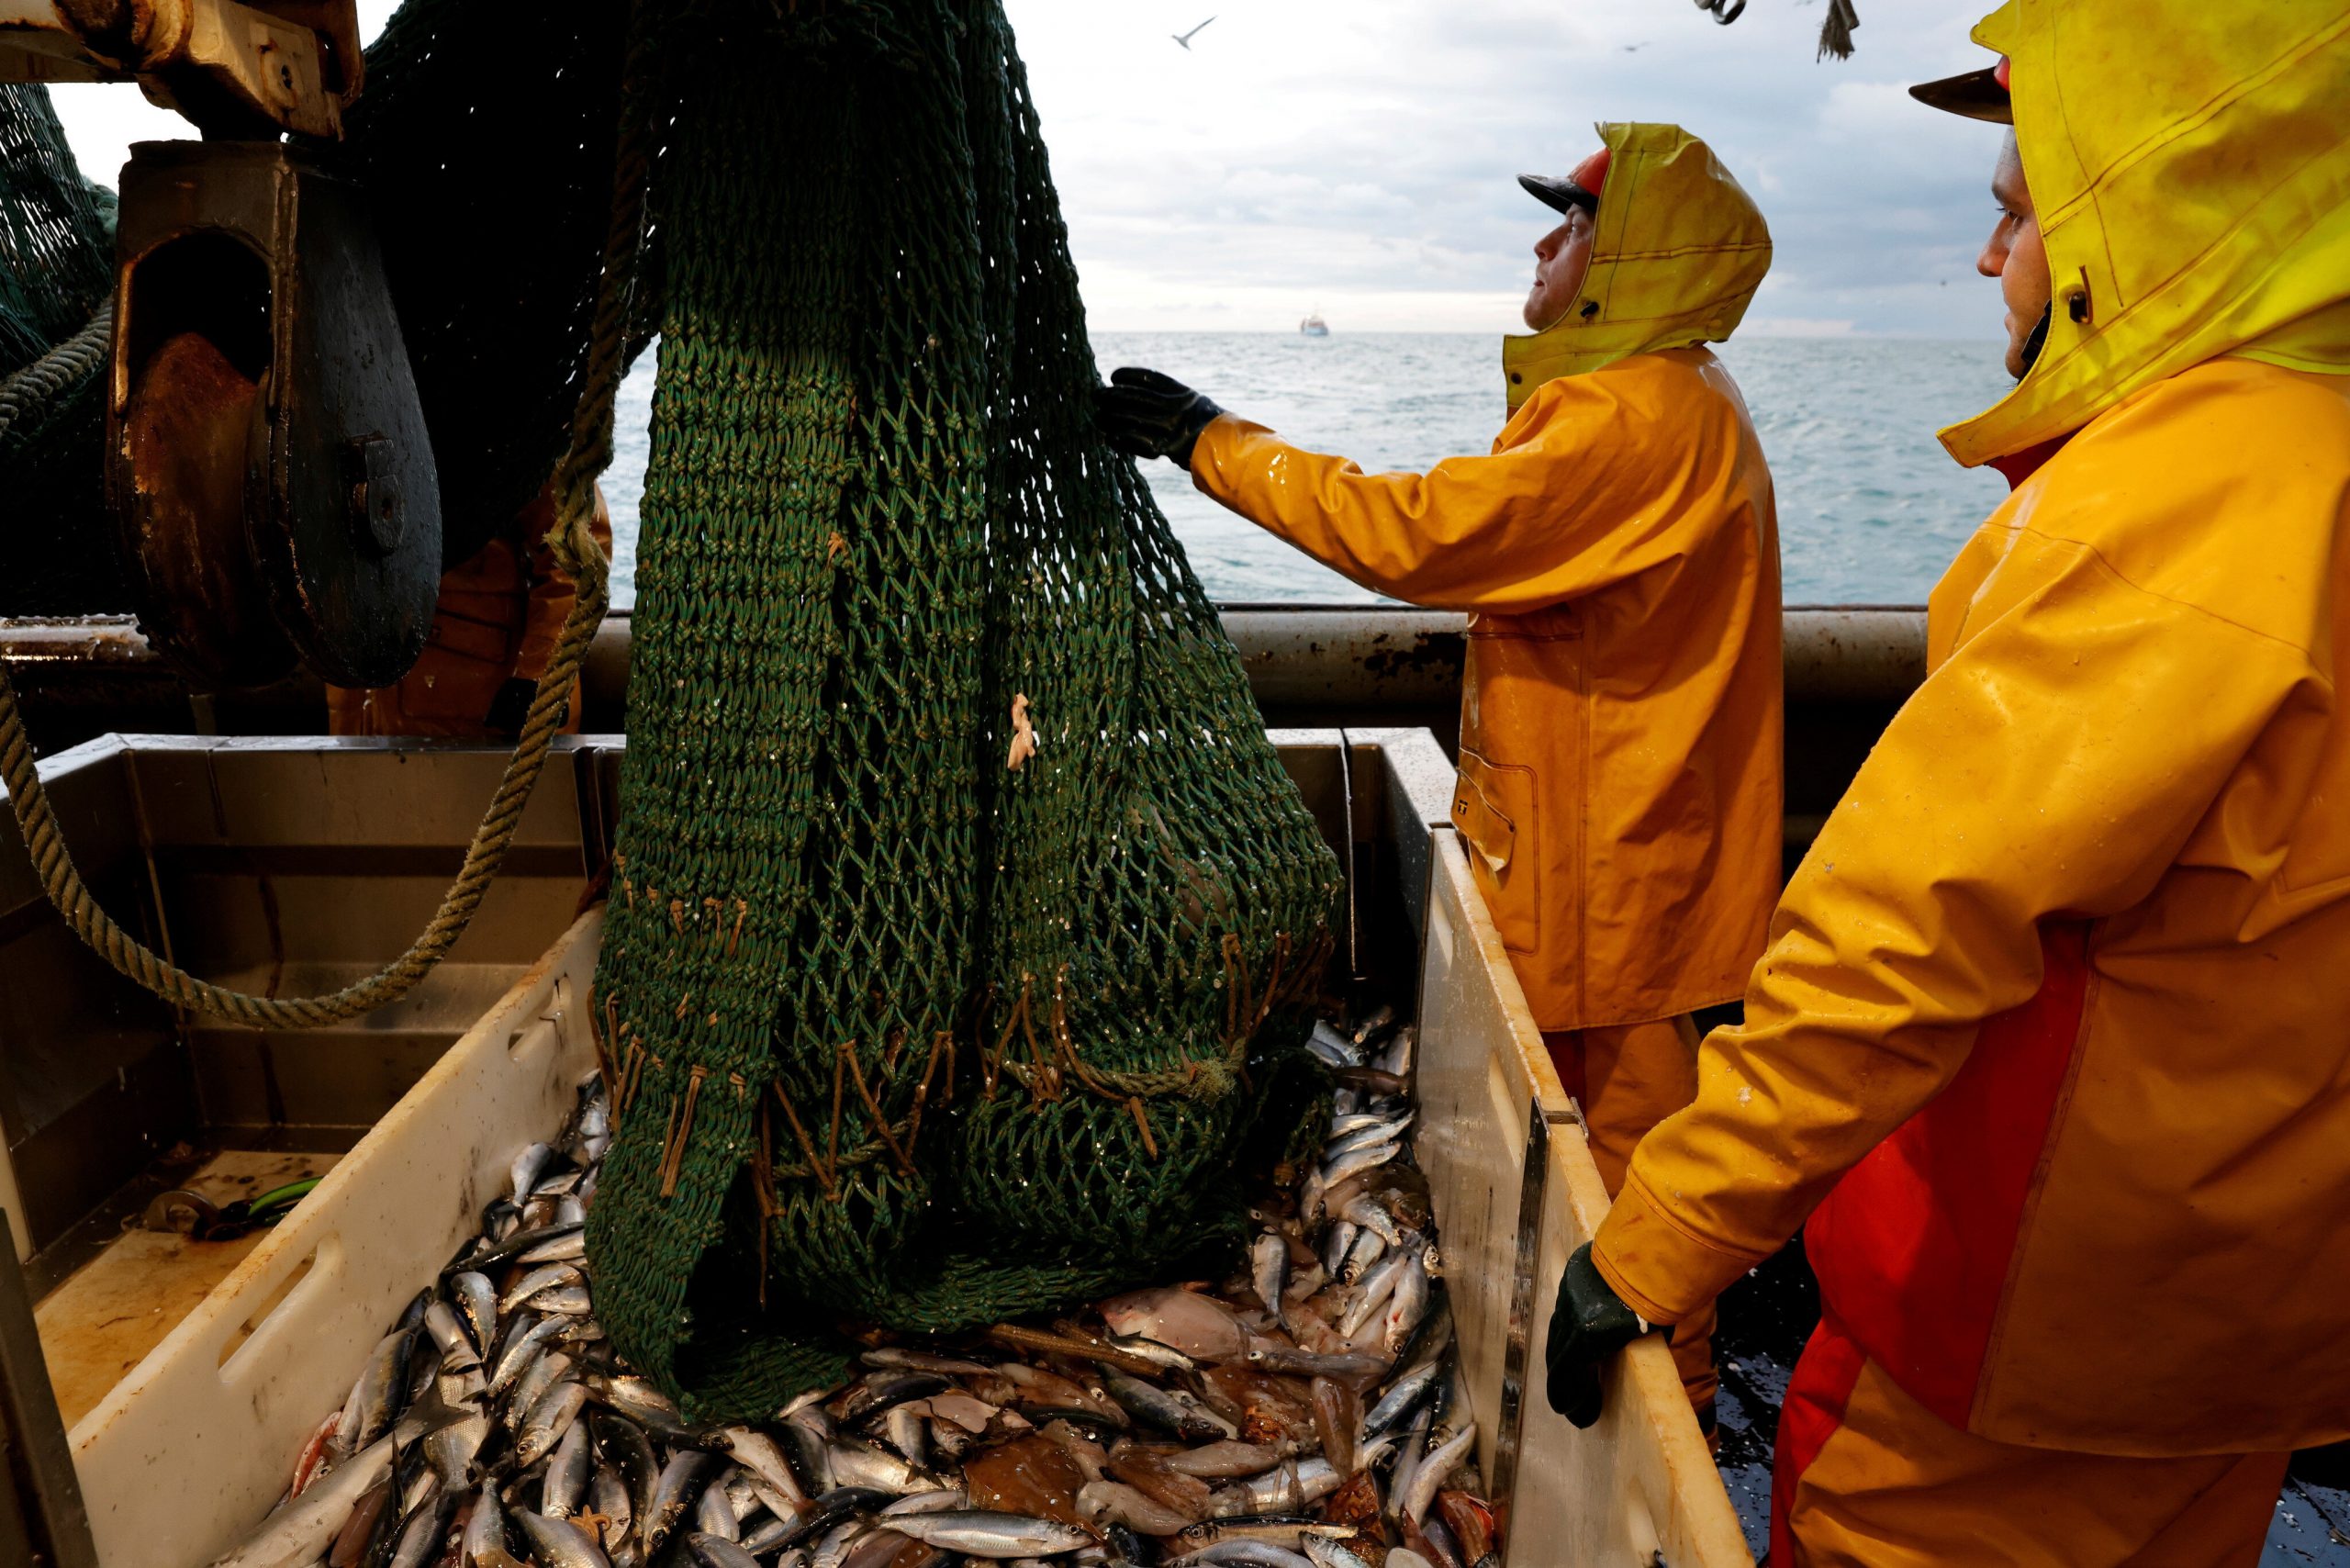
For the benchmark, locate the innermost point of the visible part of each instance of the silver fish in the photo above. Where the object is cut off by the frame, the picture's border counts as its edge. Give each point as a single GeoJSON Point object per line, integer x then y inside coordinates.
{"type": "Point", "coordinates": [759, 1454]}
{"type": "Point", "coordinates": [1373, 1293]}
{"type": "Point", "coordinates": [1327, 1553]}
{"type": "Point", "coordinates": [485, 1544]}
{"type": "Point", "coordinates": [1405, 1305]}
{"type": "Point", "coordinates": [1244, 1554]}
{"type": "Point", "coordinates": [833, 1548]}
{"type": "Point", "coordinates": [680, 1484]}
{"type": "Point", "coordinates": [525, 1338]}
{"type": "Point", "coordinates": [549, 1420]}
{"type": "Point", "coordinates": [1397, 1058]}
{"type": "Point", "coordinates": [1331, 1047]}
{"type": "Point", "coordinates": [1355, 1161]}
{"type": "Point", "coordinates": [808, 1445]}
{"type": "Point", "coordinates": [1170, 1411]}
{"type": "Point", "coordinates": [717, 1551]}
{"type": "Point", "coordinates": [426, 1531]}
{"type": "Point", "coordinates": [561, 1250]}
{"type": "Point", "coordinates": [523, 1175]}
{"type": "Point", "coordinates": [642, 1403]}
{"type": "Point", "coordinates": [1336, 1242]}
{"type": "Point", "coordinates": [537, 1279]}
{"type": "Point", "coordinates": [559, 1544]}
{"type": "Point", "coordinates": [1276, 1530]}
{"type": "Point", "coordinates": [1367, 1212]}
{"type": "Point", "coordinates": [770, 1535]}
{"type": "Point", "coordinates": [1374, 1026]}
{"type": "Point", "coordinates": [301, 1531]}
{"type": "Point", "coordinates": [380, 1386]}
{"type": "Point", "coordinates": [1151, 1350]}
{"type": "Point", "coordinates": [1403, 1397]}
{"type": "Point", "coordinates": [1408, 1462]}
{"type": "Point", "coordinates": [944, 1501]}
{"type": "Point", "coordinates": [1434, 1471]}
{"type": "Point", "coordinates": [904, 1426]}
{"type": "Point", "coordinates": [448, 1331]}
{"type": "Point", "coordinates": [607, 1494]}
{"type": "Point", "coordinates": [1385, 1130]}
{"type": "Point", "coordinates": [570, 1301]}
{"type": "Point", "coordinates": [1284, 1490]}
{"type": "Point", "coordinates": [976, 1533]}
{"type": "Point", "coordinates": [861, 1464]}
{"type": "Point", "coordinates": [1269, 1272]}
{"type": "Point", "coordinates": [452, 1450]}
{"type": "Point", "coordinates": [1369, 1244]}
{"type": "Point", "coordinates": [477, 1300]}
{"type": "Point", "coordinates": [713, 1514]}
{"type": "Point", "coordinates": [566, 1482]}
{"type": "Point", "coordinates": [541, 1375]}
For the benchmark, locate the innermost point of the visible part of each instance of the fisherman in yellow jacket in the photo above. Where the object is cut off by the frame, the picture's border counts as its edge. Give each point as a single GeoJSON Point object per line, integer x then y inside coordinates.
{"type": "Point", "coordinates": [2051, 1044]}
{"type": "Point", "coordinates": [1617, 552]}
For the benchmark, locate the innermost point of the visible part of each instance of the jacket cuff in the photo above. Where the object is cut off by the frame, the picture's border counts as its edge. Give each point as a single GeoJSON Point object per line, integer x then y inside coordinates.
{"type": "Point", "coordinates": [1216, 460]}
{"type": "Point", "coordinates": [1663, 1270]}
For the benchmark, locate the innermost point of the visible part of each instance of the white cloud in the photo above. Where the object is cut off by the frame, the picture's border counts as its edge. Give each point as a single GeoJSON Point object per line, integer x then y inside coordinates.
{"type": "Point", "coordinates": [1359, 155]}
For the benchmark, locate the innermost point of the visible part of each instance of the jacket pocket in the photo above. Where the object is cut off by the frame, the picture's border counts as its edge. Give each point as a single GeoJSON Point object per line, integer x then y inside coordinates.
{"type": "Point", "coordinates": [1492, 807]}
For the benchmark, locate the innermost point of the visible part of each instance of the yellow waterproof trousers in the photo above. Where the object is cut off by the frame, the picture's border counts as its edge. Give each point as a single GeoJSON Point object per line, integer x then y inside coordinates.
{"type": "Point", "coordinates": [1628, 1078]}
{"type": "Point", "coordinates": [1869, 1478]}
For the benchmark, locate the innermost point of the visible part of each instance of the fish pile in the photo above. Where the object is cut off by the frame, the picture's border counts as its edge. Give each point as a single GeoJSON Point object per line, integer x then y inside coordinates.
{"type": "Point", "coordinates": [1306, 1413]}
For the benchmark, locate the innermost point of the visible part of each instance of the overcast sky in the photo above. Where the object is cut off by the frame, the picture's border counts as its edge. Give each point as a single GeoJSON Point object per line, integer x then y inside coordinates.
{"type": "Point", "coordinates": [1358, 156]}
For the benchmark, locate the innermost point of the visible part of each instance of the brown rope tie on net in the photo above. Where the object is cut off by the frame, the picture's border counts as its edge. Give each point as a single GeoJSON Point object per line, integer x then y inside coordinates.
{"type": "Point", "coordinates": [575, 549]}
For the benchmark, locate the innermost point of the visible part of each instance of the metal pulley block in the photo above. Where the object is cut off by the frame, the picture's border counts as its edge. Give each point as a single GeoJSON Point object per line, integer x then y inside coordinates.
{"type": "Point", "coordinates": [271, 479]}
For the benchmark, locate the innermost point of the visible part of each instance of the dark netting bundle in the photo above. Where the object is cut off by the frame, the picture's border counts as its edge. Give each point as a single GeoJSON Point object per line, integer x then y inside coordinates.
{"type": "Point", "coordinates": [484, 134]}
{"type": "Point", "coordinates": [962, 912]}
{"type": "Point", "coordinates": [56, 270]}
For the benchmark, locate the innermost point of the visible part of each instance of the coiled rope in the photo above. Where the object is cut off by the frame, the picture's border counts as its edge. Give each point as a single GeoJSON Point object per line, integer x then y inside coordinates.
{"type": "Point", "coordinates": [570, 541]}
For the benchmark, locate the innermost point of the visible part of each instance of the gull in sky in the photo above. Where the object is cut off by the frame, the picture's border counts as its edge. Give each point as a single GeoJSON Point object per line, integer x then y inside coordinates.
{"type": "Point", "coordinates": [1185, 38]}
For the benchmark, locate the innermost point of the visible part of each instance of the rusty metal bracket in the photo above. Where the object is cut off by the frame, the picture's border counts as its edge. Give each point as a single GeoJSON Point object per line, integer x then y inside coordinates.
{"type": "Point", "coordinates": [267, 458]}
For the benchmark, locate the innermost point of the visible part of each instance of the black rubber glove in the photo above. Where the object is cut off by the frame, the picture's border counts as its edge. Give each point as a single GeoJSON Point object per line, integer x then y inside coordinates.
{"type": "Point", "coordinates": [511, 706]}
{"type": "Point", "coordinates": [1145, 414]}
{"type": "Point", "coordinates": [1589, 1326]}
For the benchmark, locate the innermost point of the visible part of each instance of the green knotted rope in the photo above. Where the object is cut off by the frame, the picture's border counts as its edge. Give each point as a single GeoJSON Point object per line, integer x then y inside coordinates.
{"type": "Point", "coordinates": [961, 912]}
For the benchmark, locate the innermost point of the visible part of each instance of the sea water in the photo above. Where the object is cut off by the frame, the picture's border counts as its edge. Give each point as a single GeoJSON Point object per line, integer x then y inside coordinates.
{"type": "Point", "coordinates": [1871, 509]}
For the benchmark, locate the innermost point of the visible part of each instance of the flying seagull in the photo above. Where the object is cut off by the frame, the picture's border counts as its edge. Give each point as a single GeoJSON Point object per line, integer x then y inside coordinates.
{"type": "Point", "coordinates": [1185, 38]}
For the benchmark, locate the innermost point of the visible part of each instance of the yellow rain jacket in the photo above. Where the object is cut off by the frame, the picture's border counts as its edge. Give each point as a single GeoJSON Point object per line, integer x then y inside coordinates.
{"type": "Point", "coordinates": [1618, 554]}
{"type": "Point", "coordinates": [2056, 1016]}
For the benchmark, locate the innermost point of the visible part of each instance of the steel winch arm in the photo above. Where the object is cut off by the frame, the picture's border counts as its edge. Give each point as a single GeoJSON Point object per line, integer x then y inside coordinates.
{"type": "Point", "coordinates": [233, 68]}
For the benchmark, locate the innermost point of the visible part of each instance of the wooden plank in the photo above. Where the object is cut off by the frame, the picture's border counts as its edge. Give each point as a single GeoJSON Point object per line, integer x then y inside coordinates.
{"type": "Point", "coordinates": [1642, 1482]}
{"type": "Point", "coordinates": [186, 1454]}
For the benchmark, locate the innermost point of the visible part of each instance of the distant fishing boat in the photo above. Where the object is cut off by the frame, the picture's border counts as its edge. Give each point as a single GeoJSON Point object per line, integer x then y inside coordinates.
{"type": "Point", "coordinates": [1313, 326]}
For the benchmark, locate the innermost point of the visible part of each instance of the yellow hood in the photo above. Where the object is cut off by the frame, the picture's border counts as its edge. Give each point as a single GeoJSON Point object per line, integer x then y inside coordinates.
{"type": "Point", "coordinates": [2191, 164]}
{"type": "Point", "coordinates": [1679, 252]}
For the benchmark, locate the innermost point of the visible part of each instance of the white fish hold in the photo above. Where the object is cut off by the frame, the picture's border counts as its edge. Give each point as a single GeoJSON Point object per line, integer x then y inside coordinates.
{"type": "Point", "coordinates": [1175, 1424]}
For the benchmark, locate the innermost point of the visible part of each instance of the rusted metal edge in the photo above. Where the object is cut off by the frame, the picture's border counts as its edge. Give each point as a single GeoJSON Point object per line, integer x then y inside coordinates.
{"type": "Point", "coordinates": [1294, 654]}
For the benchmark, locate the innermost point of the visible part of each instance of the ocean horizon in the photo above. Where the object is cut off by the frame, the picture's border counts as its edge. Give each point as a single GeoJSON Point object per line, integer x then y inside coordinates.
{"type": "Point", "coordinates": [1871, 509]}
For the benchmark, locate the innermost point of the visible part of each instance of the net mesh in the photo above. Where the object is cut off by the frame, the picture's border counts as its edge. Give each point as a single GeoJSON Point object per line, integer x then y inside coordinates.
{"type": "Point", "coordinates": [905, 1033]}
{"type": "Point", "coordinates": [56, 269]}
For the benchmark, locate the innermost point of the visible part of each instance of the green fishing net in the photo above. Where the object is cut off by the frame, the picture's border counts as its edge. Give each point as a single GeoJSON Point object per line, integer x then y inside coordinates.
{"type": "Point", "coordinates": [56, 269]}
{"type": "Point", "coordinates": [962, 914]}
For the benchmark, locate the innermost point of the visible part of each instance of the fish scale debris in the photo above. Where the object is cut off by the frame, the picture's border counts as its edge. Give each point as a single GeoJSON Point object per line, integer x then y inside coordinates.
{"type": "Point", "coordinates": [1306, 1411]}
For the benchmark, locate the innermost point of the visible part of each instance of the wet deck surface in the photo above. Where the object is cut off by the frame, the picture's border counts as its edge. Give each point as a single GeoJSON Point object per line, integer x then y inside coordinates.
{"type": "Point", "coordinates": [103, 1320]}
{"type": "Point", "coordinates": [1765, 1319]}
